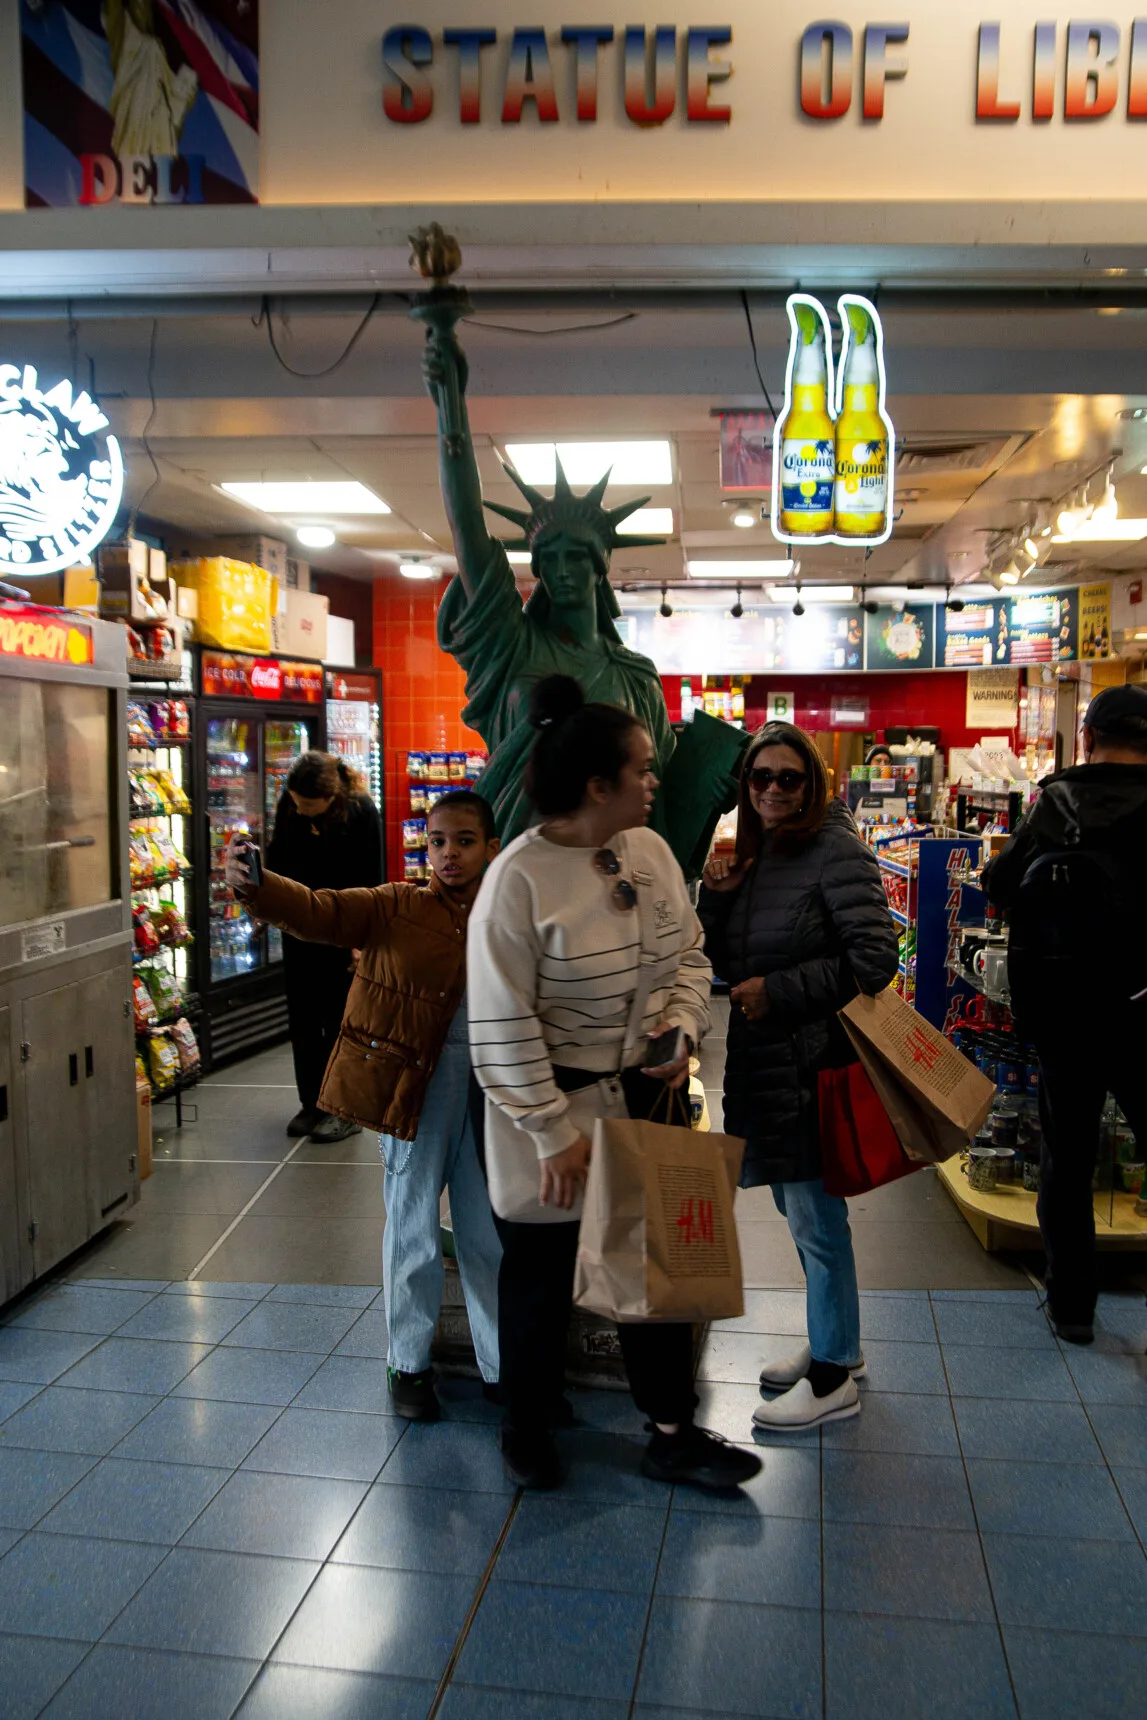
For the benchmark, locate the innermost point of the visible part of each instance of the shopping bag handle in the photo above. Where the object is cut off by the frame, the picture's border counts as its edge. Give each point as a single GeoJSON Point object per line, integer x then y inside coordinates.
{"type": "Point", "coordinates": [672, 1099]}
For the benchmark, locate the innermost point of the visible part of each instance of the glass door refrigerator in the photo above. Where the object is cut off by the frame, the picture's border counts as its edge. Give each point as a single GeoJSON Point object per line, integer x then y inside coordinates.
{"type": "Point", "coordinates": [255, 718]}
{"type": "Point", "coordinates": [354, 724]}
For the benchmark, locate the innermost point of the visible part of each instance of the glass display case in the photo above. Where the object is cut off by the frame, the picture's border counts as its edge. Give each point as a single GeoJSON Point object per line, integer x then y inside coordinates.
{"type": "Point", "coordinates": [234, 805]}
{"type": "Point", "coordinates": [354, 732]}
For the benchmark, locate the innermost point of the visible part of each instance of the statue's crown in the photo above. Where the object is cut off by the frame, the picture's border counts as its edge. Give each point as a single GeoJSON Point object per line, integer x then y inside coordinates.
{"type": "Point", "coordinates": [581, 516]}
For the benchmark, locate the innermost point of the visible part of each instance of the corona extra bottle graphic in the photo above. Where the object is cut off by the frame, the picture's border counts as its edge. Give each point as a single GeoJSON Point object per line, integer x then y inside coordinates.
{"type": "Point", "coordinates": [862, 430]}
{"type": "Point", "coordinates": [805, 444]}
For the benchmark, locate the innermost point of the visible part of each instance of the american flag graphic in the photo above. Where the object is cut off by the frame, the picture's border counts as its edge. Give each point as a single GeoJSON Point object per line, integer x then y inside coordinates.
{"type": "Point", "coordinates": [140, 101]}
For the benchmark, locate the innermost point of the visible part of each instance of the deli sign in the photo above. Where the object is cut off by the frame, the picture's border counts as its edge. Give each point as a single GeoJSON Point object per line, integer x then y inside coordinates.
{"type": "Point", "coordinates": [228, 676]}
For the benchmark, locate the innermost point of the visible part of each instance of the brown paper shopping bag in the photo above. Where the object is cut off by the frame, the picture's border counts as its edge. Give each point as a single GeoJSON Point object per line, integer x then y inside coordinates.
{"type": "Point", "coordinates": [935, 1099]}
{"type": "Point", "coordinates": [658, 1239]}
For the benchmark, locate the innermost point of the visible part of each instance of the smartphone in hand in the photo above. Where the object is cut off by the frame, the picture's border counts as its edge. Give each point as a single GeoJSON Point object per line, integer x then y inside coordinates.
{"type": "Point", "coordinates": [254, 863]}
{"type": "Point", "coordinates": [668, 1047]}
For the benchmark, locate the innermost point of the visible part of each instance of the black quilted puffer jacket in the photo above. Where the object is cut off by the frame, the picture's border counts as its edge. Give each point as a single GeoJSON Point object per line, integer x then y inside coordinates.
{"type": "Point", "coordinates": [816, 925]}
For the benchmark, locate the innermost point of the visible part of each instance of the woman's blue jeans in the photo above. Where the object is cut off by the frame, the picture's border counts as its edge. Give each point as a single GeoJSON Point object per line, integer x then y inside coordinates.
{"type": "Point", "coordinates": [818, 1224]}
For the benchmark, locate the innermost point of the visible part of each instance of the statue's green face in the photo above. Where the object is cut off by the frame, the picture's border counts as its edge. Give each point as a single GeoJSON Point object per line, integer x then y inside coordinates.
{"type": "Point", "coordinates": [569, 570]}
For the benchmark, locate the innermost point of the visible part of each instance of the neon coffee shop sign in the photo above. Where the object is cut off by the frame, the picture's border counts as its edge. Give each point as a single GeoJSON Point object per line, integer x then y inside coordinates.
{"type": "Point", "coordinates": [61, 474]}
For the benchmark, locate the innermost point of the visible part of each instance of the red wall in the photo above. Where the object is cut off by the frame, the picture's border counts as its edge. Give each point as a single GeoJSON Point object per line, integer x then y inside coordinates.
{"type": "Point", "coordinates": [423, 692]}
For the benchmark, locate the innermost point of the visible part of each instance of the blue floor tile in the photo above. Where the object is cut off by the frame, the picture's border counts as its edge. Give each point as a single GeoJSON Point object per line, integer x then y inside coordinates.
{"type": "Point", "coordinates": [367, 1337]}
{"type": "Point", "coordinates": [1061, 1584]}
{"type": "Point", "coordinates": [994, 1325]}
{"type": "Point", "coordinates": [250, 1376]}
{"type": "Point", "coordinates": [192, 1319]}
{"type": "Point", "coordinates": [64, 1419]}
{"type": "Point", "coordinates": [772, 1561]}
{"type": "Point", "coordinates": [896, 1421]}
{"type": "Point", "coordinates": [204, 1287]}
{"type": "Point", "coordinates": [569, 1642]}
{"type": "Point", "coordinates": [424, 1529]}
{"type": "Point", "coordinates": [142, 1681]}
{"type": "Point", "coordinates": [904, 1367]}
{"type": "Point", "coordinates": [727, 1409]}
{"type": "Point", "coordinates": [31, 1482]}
{"type": "Point", "coordinates": [31, 1671]}
{"type": "Point", "coordinates": [1123, 1313]}
{"type": "Point", "coordinates": [780, 1312]}
{"type": "Point", "coordinates": [472, 1702]}
{"type": "Point", "coordinates": [718, 1657]}
{"type": "Point", "coordinates": [884, 1487]}
{"type": "Point", "coordinates": [616, 1412]}
{"type": "Point", "coordinates": [135, 1365]}
{"type": "Point", "coordinates": [1027, 1432]}
{"type": "Point", "coordinates": [607, 1466]}
{"type": "Point", "coordinates": [462, 1400]}
{"type": "Point", "coordinates": [908, 1573]}
{"type": "Point", "coordinates": [78, 1308]}
{"type": "Point", "coordinates": [350, 1383]}
{"type": "Point", "coordinates": [1103, 1379]}
{"type": "Point", "coordinates": [198, 1430]}
{"type": "Point", "coordinates": [8, 1538]}
{"type": "Point", "coordinates": [285, 1516]}
{"type": "Point", "coordinates": [311, 1693]}
{"type": "Point", "coordinates": [1059, 1675]}
{"type": "Point", "coordinates": [787, 1486]}
{"type": "Point", "coordinates": [643, 1711]}
{"type": "Point", "coordinates": [1121, 1430]}
{"type": "Point", "coordinates": [584, 1543]}
{"type": "Point", "coordinates": [61, 1585]}
{"type": "Point", "coordinates": [330, 1443]}
{"type": "Point", "coordinates": [38, 1358]}
{"type": "Point", "coordinates": [457, 1455]}
{"type": "Point", "coordinates": [1054, 1499]}
{"type": "Point", "coordinates": [326, 1295]}
{"type": "Point", "coordinates": [403, 1623]}
{"type": "Point", "coordinates": [120, 1501]}
{"type": "Point", "coordinates": [1038, 1375]}
{"type": "Point", "coordinates": [1132, 1484]}
{"type": "Point", "coordinates": [14, 1397]}
{"type": "Point", "coordinates": [292, 1326]}
{"type": "Point", "coordinates": [1019, 1298]}
{"type": "Point", "coordinates": [902, 1668]}
{"type": "Point", "coordinates": [154, 1285]}
{"type": "Point", "coordinates": [738, 1357]}
{"type": "Point", "coordinates": [903, 1319]}
{"type": "Point", "coordinates": [214, 1603]}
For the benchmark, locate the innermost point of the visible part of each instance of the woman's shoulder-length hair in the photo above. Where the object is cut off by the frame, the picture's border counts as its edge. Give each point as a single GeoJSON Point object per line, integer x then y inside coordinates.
{"type": "Point", "coordinates": [798, 831]}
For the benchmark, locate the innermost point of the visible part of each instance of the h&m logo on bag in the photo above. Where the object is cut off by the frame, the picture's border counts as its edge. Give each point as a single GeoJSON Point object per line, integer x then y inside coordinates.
{"type": "Point", "coordinates": [695, 1223]}
{"type": "Point", "coordinates": [921, 1048]}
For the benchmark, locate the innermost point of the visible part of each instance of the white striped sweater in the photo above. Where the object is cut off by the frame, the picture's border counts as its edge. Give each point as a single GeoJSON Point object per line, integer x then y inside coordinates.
{"type": "Point", "coordinates": [553, 966]}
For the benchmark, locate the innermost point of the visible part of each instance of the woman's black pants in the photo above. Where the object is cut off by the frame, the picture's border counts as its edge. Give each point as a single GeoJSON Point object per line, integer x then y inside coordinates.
{"type": "Point", "coordinates": [318, 980]}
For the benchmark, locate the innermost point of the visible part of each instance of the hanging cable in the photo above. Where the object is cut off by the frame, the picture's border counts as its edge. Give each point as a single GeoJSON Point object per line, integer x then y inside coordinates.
{"type": "Point", "coordinates": [756, 359]}
{"type": "Point", "coordinates": [264, 316]}
{"type": "Point", "coordinates": [567, 328]}
{"type": "Point", "coordinates": [145, 438]}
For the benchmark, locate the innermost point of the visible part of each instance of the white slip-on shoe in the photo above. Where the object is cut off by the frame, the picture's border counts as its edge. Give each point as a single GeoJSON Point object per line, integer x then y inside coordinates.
{"type": "Point", "coordinates": [799, 1408]}
{"type": "Point", "coordinates": [787, 1370]}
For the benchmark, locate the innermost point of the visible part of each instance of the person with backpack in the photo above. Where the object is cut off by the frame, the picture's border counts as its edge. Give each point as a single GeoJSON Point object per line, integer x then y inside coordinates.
{"type": "Point", "coordinates": [1071, 881]}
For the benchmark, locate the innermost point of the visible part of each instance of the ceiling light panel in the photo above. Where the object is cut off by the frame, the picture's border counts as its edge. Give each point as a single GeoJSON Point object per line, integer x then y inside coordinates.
{"type": "Point", "coordinates": [647, 522]}
{"type": "Point", "coordinates": [585, 462]}
{"type": "Point", "coordinates": [1103, 531]}
{"type": "Point", "coordinates": [733, 570]}
{"type": "Point", "coordinates": [320, 496]}
{"type": "Point", "coordinates": [813, 593]}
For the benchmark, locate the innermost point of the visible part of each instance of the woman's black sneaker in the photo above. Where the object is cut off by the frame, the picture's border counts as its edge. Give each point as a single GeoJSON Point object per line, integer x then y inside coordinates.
{"type": "Point", "coordinates": [531, 1459]}
{"type": "Point", "coordinates": [303, 1122]}
{"type": "Point", "coordinates": [413, 1395]}
{"type": "Point", "coordinates": [694, 1457]}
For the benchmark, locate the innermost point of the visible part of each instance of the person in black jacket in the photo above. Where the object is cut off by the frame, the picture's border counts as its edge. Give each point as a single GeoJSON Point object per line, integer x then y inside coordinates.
{"type": "Point", "coordinates": [1071, 879]}
{"type": "Point", "coordinates": [798, 923]}
{"type": "Point", "coordinates": [328, 836]}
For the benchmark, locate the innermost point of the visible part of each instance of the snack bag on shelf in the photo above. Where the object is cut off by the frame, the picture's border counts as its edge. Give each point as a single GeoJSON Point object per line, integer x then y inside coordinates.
{"type": "Point", "coordinates": [178, 720]}
{"type": "Point", "coordinates": [142, 1005]}
{"type": "Point", "coordinates": [140, 1068]}
{"type": "Point", "coordinates": [136, 645]}
{"type": "Point", "coordinates": [475, 765]}
{"type": "Point", "coordinates": [140, 732]}
{"type": "Point", "coordinates": [159, 711]}
{"type": "Point", "coordinates": [164, 990]}
{"type": "Point", "coordinates": [164, 1060]}
{"type": "Point", "coordinates": [161, 644]}
{"type": "Point", "coordinates": [173, 795]}
{"type": "Point", "coordinates": [171, 927]}
{"type": "Point", "coordinates": [418, 798]}
{"type": "Point", "coordinates": [416, 766]}
{"type": "Point", "coordinates": [456, 766]}
{"type": "Point", "coordinates": [414, 833]}
{"type": "Point", "coordinates": [141, 862]}
{"type": "Point", "coordinates": [187, 1045]}
{"type": "Point", "coordinates": [144, 932]}
{"type": "Point", "coordinates": [438, 767]}
{"type": "Point", "coordinates": [413, 868]}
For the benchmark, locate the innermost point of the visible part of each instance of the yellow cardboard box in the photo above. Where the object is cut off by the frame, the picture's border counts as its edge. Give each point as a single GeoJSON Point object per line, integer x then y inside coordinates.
{"type": "Point", "coordinates": [235, 602]}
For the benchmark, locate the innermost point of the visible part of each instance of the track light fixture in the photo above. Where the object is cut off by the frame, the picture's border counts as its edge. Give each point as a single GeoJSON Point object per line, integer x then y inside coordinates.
{"type": "Point", "coordinates": [868, 605]}
{"type": "Point", "coordinates": [738, 608]}
{"type": "Point", "coordinates": [666, 609]}
{"type": "Point", "coordinates": [954, 604]}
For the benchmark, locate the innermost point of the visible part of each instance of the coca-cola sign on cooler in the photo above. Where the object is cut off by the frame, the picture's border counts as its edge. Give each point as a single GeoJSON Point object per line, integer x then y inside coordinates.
{"type": "Point", "coordinates": [226, 675]}
{"type": "Point", "coordinates": [266, 680]}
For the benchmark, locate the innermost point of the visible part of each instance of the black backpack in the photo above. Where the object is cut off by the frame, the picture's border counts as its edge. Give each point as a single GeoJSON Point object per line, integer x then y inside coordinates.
{"type": "Point", "coordinates": [1079, 914]}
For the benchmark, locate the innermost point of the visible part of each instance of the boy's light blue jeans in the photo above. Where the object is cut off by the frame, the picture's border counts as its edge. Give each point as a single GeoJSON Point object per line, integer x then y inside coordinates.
{"type": "Point", "coordinates": [818, 1224]}
{"type": "Point", "coordinates": [445, 1155]}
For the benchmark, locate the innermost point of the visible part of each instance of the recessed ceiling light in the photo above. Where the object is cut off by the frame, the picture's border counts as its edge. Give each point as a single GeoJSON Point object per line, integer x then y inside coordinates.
{"type": "Point", "coordinates": [647, 522]}
{"type": "Point", "coordinates": [315, 537]}
{"type": "Point", "coordinates": [585, 462]}
{"type": "Point", "coordinates": [744, 519]}
{"type": "Point", "coordinates": [813, 593]}
{"type": "Point", "coordinates": [519, 557]}
{"type": "Point", "coordinates": [1103, 531]}
{"type": "Point", "coordinates": [734, 570]}
{"type": "Point", "coordinates": [417, 570]}
{"type": "Point", "coordinates": [321, 496]}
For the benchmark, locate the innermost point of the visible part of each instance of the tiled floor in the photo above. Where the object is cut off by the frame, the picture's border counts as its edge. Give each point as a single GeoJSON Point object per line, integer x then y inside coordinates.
{"type": "Point", "coordinates": [206, 1509]}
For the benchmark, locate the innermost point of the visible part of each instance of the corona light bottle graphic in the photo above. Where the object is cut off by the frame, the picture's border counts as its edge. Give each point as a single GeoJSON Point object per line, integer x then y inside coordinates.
{"type": "Point", "coordinates": [863, 432]}
{"type": "Point", "coordinates": [804, 443]}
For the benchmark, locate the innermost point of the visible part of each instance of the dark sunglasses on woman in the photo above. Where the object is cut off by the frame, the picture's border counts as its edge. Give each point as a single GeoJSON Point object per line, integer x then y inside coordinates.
{"type": "Point", "coordinates": [623, 893]}
{"type": "Point", "coordinates": [788, 781]}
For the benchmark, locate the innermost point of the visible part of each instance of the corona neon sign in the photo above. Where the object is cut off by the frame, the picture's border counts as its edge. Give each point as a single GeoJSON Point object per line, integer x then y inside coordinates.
{"type": "Point", "coordinates": [61, 474]}
{"type": "Point", "coordinates": [834, 447]}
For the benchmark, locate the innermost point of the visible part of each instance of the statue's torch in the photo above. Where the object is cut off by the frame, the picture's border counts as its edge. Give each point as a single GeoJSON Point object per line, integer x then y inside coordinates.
{"type": "Point", "coordinates": [437, 255]}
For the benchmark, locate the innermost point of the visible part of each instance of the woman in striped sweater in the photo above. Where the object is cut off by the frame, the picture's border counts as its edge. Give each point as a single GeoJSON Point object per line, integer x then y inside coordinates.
{"type": "Point", "coordinates": [583, 946]}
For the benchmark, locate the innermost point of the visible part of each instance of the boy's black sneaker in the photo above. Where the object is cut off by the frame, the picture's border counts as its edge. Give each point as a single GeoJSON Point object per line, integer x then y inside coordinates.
{"type": "Point", "coordinates": [531, 1459]}
{"type": "Point", "coordinates": [329, 1128]}
{"type": "Point", "coordinates": [413, 1395]}
{"type": "Point", "coordinates": [694, 1457]}
{"type": "Point", "coordinates": [303, 1122]}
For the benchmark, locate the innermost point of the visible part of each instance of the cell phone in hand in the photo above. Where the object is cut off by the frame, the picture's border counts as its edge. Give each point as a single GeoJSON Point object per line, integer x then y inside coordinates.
{"type": "Point", "coordinates": [668, 1047]}
{"type": "Point", "coordinates": [253, 861]}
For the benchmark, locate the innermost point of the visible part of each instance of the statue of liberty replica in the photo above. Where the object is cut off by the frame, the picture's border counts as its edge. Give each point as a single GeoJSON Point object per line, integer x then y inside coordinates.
{"type": "Point", "coordinates": [567, 624]}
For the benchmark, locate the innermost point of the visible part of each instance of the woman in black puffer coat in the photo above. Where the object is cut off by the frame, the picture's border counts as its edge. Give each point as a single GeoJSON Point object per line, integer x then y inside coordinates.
{"type": "Point", "coordinates": [798, 923]}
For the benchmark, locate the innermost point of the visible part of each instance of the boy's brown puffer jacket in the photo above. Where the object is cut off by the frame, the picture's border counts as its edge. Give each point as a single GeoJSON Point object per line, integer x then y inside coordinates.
{"type": "Point", "coordinates": [408, 984]}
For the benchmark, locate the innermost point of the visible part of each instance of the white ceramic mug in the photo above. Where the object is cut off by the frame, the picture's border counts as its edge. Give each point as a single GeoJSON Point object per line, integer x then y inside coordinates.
{"type": "Point", "coordinates": [991, 965]}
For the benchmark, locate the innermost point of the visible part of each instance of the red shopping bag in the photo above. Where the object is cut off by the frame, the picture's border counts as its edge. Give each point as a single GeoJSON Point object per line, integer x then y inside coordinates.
{"type": "Point", "coordinates": [860, 1150]}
